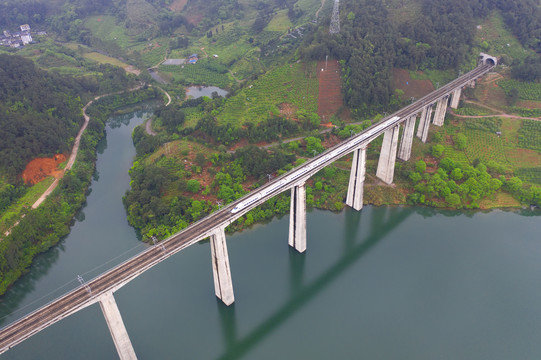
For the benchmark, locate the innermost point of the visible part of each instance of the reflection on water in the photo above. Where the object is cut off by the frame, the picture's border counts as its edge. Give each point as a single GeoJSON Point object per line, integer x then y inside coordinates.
{"type": "Point", "coordinates": [54, 272]}
{"type": "Point", "coordinates": [198, 91]}
{"type": "Point", "coordinates": [303, 292]}
{"type": "Point", "coordinates": [387, 282]}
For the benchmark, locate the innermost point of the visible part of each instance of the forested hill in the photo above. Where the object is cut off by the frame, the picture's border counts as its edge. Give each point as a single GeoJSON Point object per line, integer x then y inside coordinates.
{"type": "Point", "coordinates": [416, 34]}
{"type": "Point", "coordinates": [40, 113]}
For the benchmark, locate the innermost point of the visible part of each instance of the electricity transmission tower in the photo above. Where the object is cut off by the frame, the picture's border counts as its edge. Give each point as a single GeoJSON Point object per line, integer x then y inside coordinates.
{"type": "Point", "coordinates": [335, 19]}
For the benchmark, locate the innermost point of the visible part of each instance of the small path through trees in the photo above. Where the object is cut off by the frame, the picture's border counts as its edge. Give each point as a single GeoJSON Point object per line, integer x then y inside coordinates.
{"type": "Point", "coordinates": [72, 157]}
{"type": "Point", "coordinates": [321, 7]}
{"type": "Point", "coordinates": [499, 112]}
{"type": "Point", "coordinates": [75, 149]}
{"type": "Point", "coordinates": [148, 124]}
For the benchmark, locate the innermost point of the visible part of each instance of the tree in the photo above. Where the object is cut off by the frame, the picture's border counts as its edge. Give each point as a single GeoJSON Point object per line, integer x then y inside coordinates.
{"type": "Point", "coordinates": [193, 185]}
{"type": "Point", "coordinates": [513, 96]}
{"type": "Point", "coordinates": [420, 166]}
{"type": "Point", "coordinates": [457, 174]}
{"type": "Point", "coordinates": [460, 141]}
{"type": "Point", "coordinates": [313, 145]}
{"type": "Point", "coordinates": [437, 150]}
{"type": "Point", "coordinates": [453, 200]}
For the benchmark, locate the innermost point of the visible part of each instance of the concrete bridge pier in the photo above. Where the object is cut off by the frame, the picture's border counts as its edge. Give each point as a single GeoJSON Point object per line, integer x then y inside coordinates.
{"type": "Point", "coordinates": [424, 123]}
{"type": "Point", "coordinates": [441, 108]}
{"type": "Point", "coordinates": [404, 152]}
{"type": "Point", "coordinates": [456, 98]}
{"type": "Point", "coordinates": [387, 157]}
{"type": "Point", "coordinates": [297, 218]}
{"type": "Point", "coordinates": [223, 284]}
{"type": "Point", "coordinates": [116, 327]}
{"type": "Point", "coordinates": [354, 197]}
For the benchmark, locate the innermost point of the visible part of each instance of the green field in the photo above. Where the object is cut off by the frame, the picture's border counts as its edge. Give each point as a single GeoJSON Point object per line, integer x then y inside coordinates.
{"type": "Point", "coordinates": [197, 74]}
{"type": "Point", "coordinates": [13, 213]}
{"type": "Point", "coordinates": [473, 110]}
{"type": "Point", "coordinates": [437, 77]}
{"type": "Point", "coordinates": [526, 90]}
{"type": "Point", "coordinates": [280, 22]}
{"type": "Point", "coordinates": [499, 39]}
{"type": "Point", "coordinates": [105, 28]}
{"type": "Point", "coordinates": [484, 146]}
{"type": "Point", "coordinates": [529, 136]}
{"type": "Point", "coordinates": [294, 84]}
{"type": "Point", "coordinates": [531, 175]}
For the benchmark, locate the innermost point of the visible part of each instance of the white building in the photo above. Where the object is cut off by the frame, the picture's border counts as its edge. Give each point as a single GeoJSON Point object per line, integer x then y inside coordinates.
{"type": "Point", "coordinates": [26, 39]}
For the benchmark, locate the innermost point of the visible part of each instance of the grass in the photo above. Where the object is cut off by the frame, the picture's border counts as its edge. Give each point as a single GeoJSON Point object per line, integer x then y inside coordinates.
{"type": "Point", "coordinates": [500, 40]}
{"type": "Point", "coordinates": [152, 52]}
{"type": "Point", "coordinates": [296, 84]}
{"type": "Point", "coordinates": [105, 27]}
{"type": "Point", "coordinates": [280, 22]}
{"type": "Point", "coordinates": [531, 175]}
{"type": "Point", "coordinates": [473, 110]}
{"type": "Point", "coordinates": [12, 214]}
{"type": "Point", "coordinates": [192, 117]}
{"type": "Point", "coordinates": [197, 74]}
{"type": "Point", "coordinates": [104, 59]}
{"type": "Point", "coordinates": [526, 90]}
{"type": "Point", "coordinates": [484, 146]}
{"type": "Point", "coordinates": [457, 156]}
{"type": "Point", "coordinates": [437, 77]}
{"type": "Point", "coordinates": [529, 135]}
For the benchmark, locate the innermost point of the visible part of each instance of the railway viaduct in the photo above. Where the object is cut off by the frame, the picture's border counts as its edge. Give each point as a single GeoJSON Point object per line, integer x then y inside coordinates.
{"type": "Point", "coordinates": [428, 110]}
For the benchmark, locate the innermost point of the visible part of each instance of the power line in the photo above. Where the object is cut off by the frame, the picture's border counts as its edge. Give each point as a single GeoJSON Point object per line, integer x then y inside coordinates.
{"type": "Point", "coordinates": [335, 19]}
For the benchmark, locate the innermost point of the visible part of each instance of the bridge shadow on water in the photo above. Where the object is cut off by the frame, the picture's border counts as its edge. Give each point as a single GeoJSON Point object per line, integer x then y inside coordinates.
{"type": "Point", "coordinates": [381, 224]}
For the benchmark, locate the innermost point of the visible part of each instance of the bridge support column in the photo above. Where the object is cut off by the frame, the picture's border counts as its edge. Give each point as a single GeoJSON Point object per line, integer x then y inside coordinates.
{"type": "Point", "coordinates": [223, 284]}
{"type": "Point", "coordinates": [387, 157]}
{"type": "Point", "coordinates": [424, 123]}
{"type": "Point", "coordinates": [441, 108]}
{"type": "Point", "coordinates": [354, 197]}
{"type": "Point", "coordinates": [297, 218]}
{"type": "Point", "coordinates": [116, 327]}
{"type": "Point", "coordinates": [456, 98]}
{"type": "Point", "coordinates": [404, 153]}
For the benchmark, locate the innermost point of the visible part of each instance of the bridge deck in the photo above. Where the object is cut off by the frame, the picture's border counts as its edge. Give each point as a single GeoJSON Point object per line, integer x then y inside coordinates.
{"type": "Point", "coordinates": [115, 278]}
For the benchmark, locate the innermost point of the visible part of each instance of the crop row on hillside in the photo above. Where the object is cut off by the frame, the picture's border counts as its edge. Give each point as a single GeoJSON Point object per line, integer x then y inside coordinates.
{"type": "Point", "coordinates": [526, 90]}
{"type": "Point", "coordinates": [294, 84]}
{"type": "Point", "coordinates": [529, 135]}
{"type": "Point", "coordinates": [197, 74]}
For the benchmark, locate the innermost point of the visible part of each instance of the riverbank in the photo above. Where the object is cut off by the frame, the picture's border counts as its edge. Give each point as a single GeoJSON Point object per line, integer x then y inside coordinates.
{"type": "Point", "coordinates": [43, 226]}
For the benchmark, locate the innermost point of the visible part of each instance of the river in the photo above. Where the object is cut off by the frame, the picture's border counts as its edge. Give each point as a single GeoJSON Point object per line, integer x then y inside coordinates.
{"type": "Point", "coordinates": [383, 283]}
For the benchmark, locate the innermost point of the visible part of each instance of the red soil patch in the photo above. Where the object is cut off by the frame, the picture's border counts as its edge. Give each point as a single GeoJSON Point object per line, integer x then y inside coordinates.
{"type": "Point", "coordinates": [195, 19]}
{"type": "Point", "coordinates": [330, 89]}
{"type": "Point", "coordinates": [178, 5]}
{"type": "Point", "coordinates": [529, 104]}
{"type": "Point", "coordinates": [41, 168]}
{"type": "Point", "coordinates": [287, 110]}
{"type": "Point", "coordinates": [411, 88]}
{"type": "Point", "coordinates": [331, 141]}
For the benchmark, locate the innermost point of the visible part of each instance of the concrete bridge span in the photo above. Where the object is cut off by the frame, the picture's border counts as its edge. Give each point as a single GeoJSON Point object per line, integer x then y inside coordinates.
{"type": "Point", "coordinates": [429, 109]}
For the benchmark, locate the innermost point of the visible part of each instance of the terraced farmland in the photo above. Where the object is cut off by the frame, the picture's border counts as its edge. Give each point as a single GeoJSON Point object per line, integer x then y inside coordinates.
{"type": "Point", "coordinates": [294, 84]}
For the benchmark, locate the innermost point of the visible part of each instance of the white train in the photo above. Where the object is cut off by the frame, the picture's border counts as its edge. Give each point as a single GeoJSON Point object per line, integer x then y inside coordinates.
{"type": "Point", "coordinates": [295, 174]}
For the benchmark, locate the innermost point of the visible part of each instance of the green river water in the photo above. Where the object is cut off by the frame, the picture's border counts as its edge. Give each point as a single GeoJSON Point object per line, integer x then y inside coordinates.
{"type": "Point", "coordinates": [383, 283]}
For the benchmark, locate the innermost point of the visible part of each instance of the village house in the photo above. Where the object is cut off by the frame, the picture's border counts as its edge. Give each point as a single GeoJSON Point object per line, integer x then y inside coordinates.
{"type": "Point", "coordinates": [16, 39]}
{"type": "Point", "coordinates": [192, 59]}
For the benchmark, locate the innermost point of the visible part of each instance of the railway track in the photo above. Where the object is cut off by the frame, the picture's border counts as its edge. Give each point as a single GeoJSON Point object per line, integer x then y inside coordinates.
{"type": "Point", "coordinates": [120, 275]}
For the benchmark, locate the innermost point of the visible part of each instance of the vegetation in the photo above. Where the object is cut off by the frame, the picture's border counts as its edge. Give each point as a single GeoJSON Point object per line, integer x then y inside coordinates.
{"type": "Point", "coordinates": [41, 228]}
{"type": "Point", "coordinates": [295, 85]}
{"type": "Point", "coordinates": [529, 135]}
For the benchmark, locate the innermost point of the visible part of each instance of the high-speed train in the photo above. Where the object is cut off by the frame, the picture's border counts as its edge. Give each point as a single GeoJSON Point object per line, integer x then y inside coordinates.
{"type": "Point", "coordinates": [314, 164]}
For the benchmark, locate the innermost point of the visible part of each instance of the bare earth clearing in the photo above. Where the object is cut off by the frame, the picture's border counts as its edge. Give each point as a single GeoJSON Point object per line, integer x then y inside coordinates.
{"type": "Point", "coordinates": [330, 89]}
